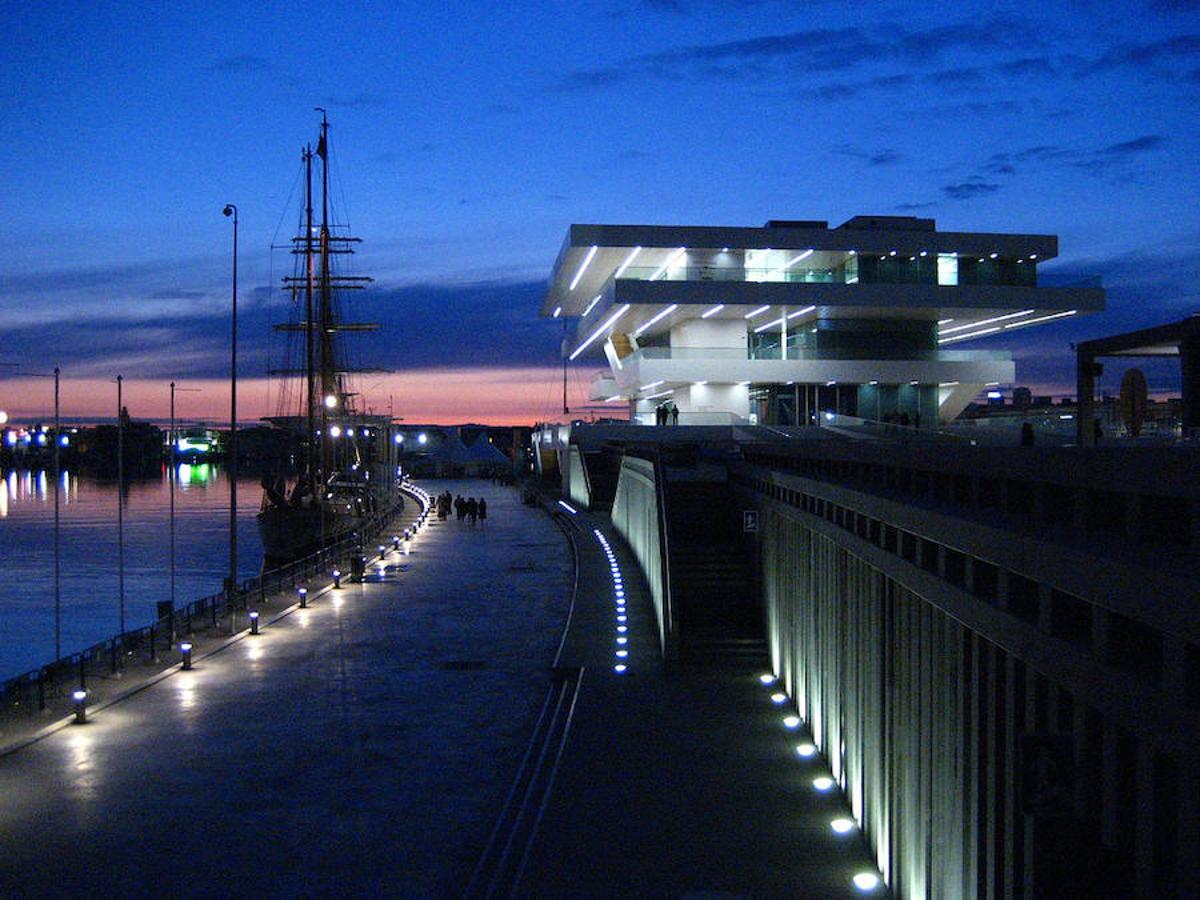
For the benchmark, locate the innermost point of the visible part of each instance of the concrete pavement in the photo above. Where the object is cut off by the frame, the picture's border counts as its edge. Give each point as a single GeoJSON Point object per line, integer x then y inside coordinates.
{"type": "Point", "coordinates": [360, 746]}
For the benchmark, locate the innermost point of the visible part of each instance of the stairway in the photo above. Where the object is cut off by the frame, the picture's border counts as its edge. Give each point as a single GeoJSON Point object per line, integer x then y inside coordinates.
{"type": "Point", "coordinates": [713, 587]}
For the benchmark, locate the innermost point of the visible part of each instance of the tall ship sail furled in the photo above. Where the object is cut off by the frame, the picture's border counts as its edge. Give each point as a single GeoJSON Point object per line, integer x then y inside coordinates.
{"type": "Point", "coordinates": [346, 471]}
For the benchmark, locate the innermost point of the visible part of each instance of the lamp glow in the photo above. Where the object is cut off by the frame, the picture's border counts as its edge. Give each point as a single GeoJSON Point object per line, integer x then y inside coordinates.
{"type": "Point", "coordinates": [823, 783]}
{"type": "Point", "coordinates": [609, 322]}
{"type": "Point", "coordinates": [866, 881]}
{"type": "Point", "coordinates": [806, 750]}
{"type": "Point", "coordinates": [587, 261]}
{"type": "Point", "coordinates": [842, 826]}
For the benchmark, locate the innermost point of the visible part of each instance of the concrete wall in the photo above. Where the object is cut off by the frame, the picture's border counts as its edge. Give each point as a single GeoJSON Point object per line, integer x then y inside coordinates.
{"type": "Point", "coordinates": [576, 486]}
{"type": "Point", "coordinates": [635, 516]}
{"type": "Point", "coordinates": [931, 655]}
{"type": "Point", "coordinates": [878, 676]}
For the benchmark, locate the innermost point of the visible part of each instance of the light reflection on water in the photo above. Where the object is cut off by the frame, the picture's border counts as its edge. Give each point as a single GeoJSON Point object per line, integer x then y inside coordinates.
{"type": "Point", "coordinates": [88, 545]}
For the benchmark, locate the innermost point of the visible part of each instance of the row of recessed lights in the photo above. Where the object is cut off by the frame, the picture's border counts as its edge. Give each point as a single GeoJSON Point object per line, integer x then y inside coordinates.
{"type": "Point", "coordinates": [865, 881]}
{"type": "Point", "coordinates": [621, 653]}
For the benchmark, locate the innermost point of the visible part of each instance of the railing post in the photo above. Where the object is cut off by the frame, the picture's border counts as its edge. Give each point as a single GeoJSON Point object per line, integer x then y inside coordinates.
{"type": "Point", "coordinates": [82, 672]}
{"type": "Point", "coordinates": [153, 656]}
{"type": "Point", "coordinates": [41, 683]}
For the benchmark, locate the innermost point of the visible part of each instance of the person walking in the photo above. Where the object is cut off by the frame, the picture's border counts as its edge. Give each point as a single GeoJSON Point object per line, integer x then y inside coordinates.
{"type": "Point", "coordinates": [482, 510]}
{"type": "Point", "coordinates": [460, 507]}
{"type": "Point", "coordinates": [472, 509]}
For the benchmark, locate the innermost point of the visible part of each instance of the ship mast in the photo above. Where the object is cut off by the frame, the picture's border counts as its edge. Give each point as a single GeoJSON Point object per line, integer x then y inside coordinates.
{"type": "Point", "coordinates": [328, 363]}
{"type": "Point", "coordinates": [311, 468]}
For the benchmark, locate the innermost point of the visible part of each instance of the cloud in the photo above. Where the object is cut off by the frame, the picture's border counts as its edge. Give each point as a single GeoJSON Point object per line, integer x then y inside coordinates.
{"type": "Point", "coordinates": [969, 189]}
{"type": "Point", "coordinates": [911, 207]}
{"type": "Point", "coordinates": [970, 75]}
{"type": "Point", "coordinates": [243, 64]}
{"type": "Point", "coordinates": [1150, 55]}
{"type": "Point", "coordinates": [885, 157]}
{"type": "Point", "coordinates": [1096, 160]}
{"type": "Point", "coordinates": [812, 50]}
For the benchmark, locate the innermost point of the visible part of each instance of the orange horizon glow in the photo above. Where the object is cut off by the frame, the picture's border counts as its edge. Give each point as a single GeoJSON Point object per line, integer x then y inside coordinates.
{"type": "Point", "coordinates": [493, 396]}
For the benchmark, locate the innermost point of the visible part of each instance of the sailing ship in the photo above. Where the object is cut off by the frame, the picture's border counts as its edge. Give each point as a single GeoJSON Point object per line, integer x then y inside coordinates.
{"type": "Point", "coordinates": [346, 457]}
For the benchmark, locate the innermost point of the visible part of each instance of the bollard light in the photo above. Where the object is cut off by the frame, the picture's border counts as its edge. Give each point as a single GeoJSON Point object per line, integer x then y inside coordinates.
{"type": "Point", "coordinates": [395, 542]}
{"type": "Point", "coordinates": [303, 592]}
{"type": "Point", "coordinates": [382, 551]}
{"type": "Point", "coordinates": [185, 650]}
{"type": "Point", "coordinates": [79, 701]}
{"type": "Point", "coordinates": [337, 578]}
{"type": "Point", "coordinates": [254, 621]}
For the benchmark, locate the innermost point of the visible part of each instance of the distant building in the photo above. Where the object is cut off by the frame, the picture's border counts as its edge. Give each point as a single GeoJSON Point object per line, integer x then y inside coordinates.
{"type": "Point", "coordinates": [773, 324]}
{"type": "Point", "coordinates": [1022, 397]}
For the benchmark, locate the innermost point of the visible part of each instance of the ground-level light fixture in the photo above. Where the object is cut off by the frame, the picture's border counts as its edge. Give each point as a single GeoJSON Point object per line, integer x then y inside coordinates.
{"type": "Point", "coordinates": [254, 621]}
{"type": "Point", "coordinates": [79, 702]}
{"type": "Point", "coordinates": [303, 592]}
{"type": "Point", "coordinates": [185, 651]}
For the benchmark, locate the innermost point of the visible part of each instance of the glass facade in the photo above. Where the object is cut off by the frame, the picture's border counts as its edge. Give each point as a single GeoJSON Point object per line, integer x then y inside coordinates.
{"type": "Point", "coordinates": [798, 404]}
{"type": "Point", "coordinates": [839, 267]}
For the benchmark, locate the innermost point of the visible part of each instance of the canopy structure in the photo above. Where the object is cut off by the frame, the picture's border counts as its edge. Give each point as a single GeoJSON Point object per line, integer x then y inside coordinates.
{"type": "Point", "coordinates": [1181, 339]}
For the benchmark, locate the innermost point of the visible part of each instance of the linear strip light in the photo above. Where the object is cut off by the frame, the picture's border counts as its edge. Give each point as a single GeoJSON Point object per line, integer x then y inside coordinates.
{"type": "Point", "coordinates": [757, 312]}
{"type": "Point", "coordinates": [591, 305]}
{"type": "Point", "coordinates": [1060, 315]}
{"type": "Point", "coordinates": [712, 312]}
{"type": "Point", "coordinates": [628, 260]}
{"type": "Point", "coordinates": [662, 315]}
{"type": "Point", "coordinates": [670, 260]}
{"type": "Point", "coordinates": [659, 394]}
{"type": "Point", "coordinates": [791, 262]}
{"type": "Point", "coordinates": [651, 385]}
{"type": "Point", "coordinates": [800, 312]}
{"type": "Point", "coordinates": [557, 311]}
{"type": "Point", "coordinates": [587, 260]}
{"type": "Point", "coordinates": [612, 398]}
{"type": "Point", "coordinates": [609, 322]}
{"type": "Point", "coordinates": [1015, 315]}
{"type": "Point", "coordinates": [761, 328]}
{"type": "Point", "coordinates": [963, 337]}
{"type": "Point", "coordinates": [945, 321]}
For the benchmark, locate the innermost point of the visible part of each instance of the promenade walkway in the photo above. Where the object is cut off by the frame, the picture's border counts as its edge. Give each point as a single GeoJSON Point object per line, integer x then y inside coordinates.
{"type": "Point", "coordinates": [361, 746]}
{"type": "Point", "coordinates": [682, 782]}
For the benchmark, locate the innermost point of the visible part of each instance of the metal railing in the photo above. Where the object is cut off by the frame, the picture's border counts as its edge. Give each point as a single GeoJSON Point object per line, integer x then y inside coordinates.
{"type": "Point", "coordinates": [215, 614]}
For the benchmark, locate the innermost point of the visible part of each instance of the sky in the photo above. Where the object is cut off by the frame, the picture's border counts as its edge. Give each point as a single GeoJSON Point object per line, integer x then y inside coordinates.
{"type": "Point", "coordinates": [467, 137]}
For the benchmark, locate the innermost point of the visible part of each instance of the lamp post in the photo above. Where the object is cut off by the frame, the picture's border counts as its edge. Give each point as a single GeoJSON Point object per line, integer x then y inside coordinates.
{"type": "Point", "coordinates": [121, 503]}
{"type": "Point", "coordinates": [231, 210]}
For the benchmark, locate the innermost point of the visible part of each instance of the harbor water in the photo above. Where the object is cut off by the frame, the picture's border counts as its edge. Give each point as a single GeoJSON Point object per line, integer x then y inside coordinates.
{"type": "Point", "coordinates": [88, 546]}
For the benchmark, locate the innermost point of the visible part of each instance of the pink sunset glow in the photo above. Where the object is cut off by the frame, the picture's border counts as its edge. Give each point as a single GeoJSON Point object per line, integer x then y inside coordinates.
{"type": "Point", "coordinates": [500, 396]}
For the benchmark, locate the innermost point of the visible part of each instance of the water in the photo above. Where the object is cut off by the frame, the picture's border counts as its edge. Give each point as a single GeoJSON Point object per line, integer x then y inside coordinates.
{"type": "Point", "coordinates": [88, 547]}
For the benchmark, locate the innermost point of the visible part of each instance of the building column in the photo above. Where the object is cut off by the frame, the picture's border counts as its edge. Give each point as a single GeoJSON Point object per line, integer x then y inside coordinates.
{"type": "Point", "coordinates": [1189, 364]}
{"type": "Point", "coordinates": [1085, 394]}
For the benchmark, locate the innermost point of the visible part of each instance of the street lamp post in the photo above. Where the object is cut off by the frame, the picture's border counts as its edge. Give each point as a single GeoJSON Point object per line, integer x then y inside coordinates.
{"type": "Point", "coordinates": [121, 504]}
{"type": "Point", "coordinates": [231, 210]}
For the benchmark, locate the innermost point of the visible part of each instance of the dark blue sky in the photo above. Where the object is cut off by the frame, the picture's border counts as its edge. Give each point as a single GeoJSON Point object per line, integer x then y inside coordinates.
{"type": "Point", "coordinates": [467, 137]}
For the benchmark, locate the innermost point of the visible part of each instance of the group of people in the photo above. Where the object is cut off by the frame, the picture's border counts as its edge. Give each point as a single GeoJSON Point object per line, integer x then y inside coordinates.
{"type": "Point", "coordinates": [666, 413]}
{"type": "Point", "coordinates": [464, 507]}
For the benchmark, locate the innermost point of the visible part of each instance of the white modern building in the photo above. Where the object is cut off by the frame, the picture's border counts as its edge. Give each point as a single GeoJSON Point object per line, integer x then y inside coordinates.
{"type": "Point", "coordinates": [772, 325]}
